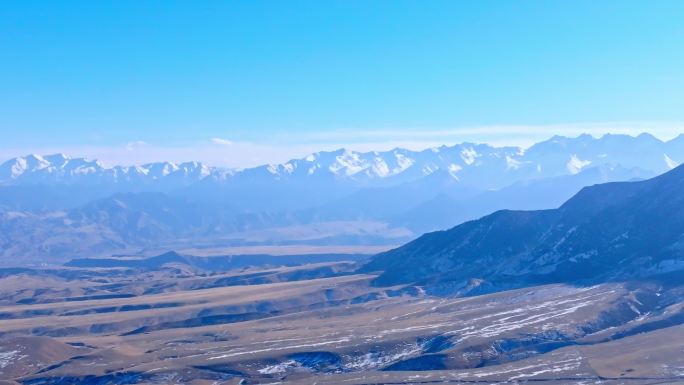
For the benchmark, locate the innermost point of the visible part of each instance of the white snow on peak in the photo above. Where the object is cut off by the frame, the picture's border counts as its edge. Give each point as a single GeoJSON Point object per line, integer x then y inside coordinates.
{"type": "Point", "coordinates": [289, 167]}
{"type": "Point", "coordinates": [18, 168]}
{"type": "Point", "coordinates": [26, 164]}
{"type": "Point", "coordinates": [575, 164]}
{"type": "Point", "coordinates": [273, 169]}
{"type": "Point", "coordinates": [669, 162]}
{"type": "Point", "coordinates": [158, 170]}
{"type": "Point", "coordinates": [380, 167]}
{"type": "Point", "coordinates": [469, 155]}
{"type": "Point", "coordinates": [140, 170]}
{"type": "Point", "coordinates": [511, 163]}
{"type": "Point", "coordinates": [372, 164]}
{"type": "Point", "coordinates": [403, 162]}
{"type": "Point", "coordinates": [429, 169]}
{"type": "Point", "coordinates": [348, 163]}
{"type": "Point", "coordinates": [453, 169]}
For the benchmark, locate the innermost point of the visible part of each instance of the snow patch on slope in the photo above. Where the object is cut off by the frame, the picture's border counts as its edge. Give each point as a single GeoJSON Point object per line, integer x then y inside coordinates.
{"type": "Point", "coordinates": [575, 164]}
{"type": "Point", "coordinates": [669, 162]}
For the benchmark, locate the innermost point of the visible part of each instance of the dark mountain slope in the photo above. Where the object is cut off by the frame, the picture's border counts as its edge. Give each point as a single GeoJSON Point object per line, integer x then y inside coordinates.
{"type": "Point", "coordinates": [609, 231]}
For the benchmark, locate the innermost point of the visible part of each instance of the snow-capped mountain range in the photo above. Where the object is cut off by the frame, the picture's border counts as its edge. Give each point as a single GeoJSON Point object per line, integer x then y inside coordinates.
{"type": "Point", "coordinates": [481, 165]}
{"type": "Point", "coordinates": [476, 165]}
{"type": "Point", "coordinates": [59, 206]}
{"type": "Point", "coordinates": [59, 168]}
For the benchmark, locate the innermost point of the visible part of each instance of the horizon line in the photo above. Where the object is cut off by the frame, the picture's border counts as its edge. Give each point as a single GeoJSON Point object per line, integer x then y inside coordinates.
{"type": "Point", "coordinates": [226, 144]}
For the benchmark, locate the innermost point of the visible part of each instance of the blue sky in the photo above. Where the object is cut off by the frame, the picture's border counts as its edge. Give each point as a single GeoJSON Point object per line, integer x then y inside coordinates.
{"type": "Point", "coordinates": [281, 77]}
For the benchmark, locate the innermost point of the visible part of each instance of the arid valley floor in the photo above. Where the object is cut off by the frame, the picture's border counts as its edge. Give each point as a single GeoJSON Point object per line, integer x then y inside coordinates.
{"type": "Point", "coordinates": [321, 323]}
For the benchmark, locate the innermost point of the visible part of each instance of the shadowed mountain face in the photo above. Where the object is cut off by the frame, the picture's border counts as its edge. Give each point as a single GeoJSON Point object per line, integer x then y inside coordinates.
{"type": "Point", "coordinates": [609, 231]}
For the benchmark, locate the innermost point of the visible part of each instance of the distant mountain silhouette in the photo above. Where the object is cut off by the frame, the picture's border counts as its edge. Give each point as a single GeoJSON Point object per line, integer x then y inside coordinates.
{"type": "Point", "coordinates": [609, 231]}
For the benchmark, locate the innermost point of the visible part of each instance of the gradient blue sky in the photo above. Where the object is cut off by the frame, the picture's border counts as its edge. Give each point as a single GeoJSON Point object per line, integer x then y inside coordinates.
{"type": "Point", "coordinates": [289, 76]}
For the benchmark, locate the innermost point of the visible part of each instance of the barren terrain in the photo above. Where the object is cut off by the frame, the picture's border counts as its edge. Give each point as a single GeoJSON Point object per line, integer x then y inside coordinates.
{"type": "Point", "coordinates": [321, 323]}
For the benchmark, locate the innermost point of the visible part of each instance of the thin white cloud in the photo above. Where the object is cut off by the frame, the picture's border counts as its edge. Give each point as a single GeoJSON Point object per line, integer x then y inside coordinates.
{"type": "Point", "coordinates": [221, 141]}
{"type": "Point", "coordinates": [130, 146]}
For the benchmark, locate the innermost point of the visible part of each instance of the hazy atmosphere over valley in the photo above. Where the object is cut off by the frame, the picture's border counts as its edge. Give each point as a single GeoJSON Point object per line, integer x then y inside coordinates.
{"type": "Point", "coordinates": [341, 192]}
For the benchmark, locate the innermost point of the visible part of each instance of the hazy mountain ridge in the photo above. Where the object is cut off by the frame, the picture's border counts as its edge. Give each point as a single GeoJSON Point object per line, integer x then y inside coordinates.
{"type": "Point", "coordinates": [617, 230]}
{"type": "Point", "coordinates": [62, 207]}
{"type": "Point", "coordinates": [445, 210]}
{"type": "Point", "coordinates": [57, 182]}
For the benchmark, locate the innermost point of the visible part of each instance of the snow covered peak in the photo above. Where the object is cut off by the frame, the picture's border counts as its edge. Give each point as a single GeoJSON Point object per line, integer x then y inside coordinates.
{"type": "Point", "coordinates": [575, 164]}
{"type": "Point", "coordinates": [16, 167]}
{"type": "Point", "coordinates": [161, 169]}
{"type": "Point", "coordinates": [469, 155]}
{"type": "Point", "coordinates": [59, 168]}
{"type": "Point", "coordinates": [348, 163]}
